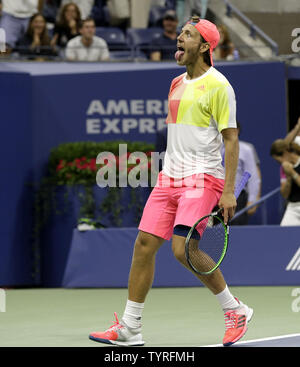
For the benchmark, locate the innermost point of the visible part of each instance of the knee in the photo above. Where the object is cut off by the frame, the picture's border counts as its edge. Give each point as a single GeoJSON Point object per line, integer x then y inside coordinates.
{"type": "Point", "coordinates": [179, 252]}
{"type": "Point", "coordinates": [143, 248]}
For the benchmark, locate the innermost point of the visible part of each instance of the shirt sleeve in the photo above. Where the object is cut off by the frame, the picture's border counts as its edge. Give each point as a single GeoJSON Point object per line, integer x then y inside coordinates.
{"type": "Point", "coordinates": [257, 161]}
{"type": "Point", "coordinates": [223, 107]}
{"type": "Point", "coordinates": [251, 167]}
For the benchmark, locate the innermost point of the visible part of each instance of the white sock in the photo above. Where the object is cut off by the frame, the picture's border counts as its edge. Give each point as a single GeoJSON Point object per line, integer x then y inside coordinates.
{"type": "Point", "coordinates": [133, 314]}
{"type": "Point", "coordinates": [226, 299]}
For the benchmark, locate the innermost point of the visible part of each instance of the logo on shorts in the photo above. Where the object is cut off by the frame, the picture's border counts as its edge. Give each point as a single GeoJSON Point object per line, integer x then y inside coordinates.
{"type": "Point", "coordinates": [2, 40]}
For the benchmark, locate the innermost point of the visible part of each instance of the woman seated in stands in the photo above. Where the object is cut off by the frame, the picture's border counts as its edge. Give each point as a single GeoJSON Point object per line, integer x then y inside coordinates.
{"type": "Point", "coordinates": [67, 26]}
{"type": "Point", "coordinates": [225, 49]}
{"type": "Point", "coordinates": [36, 42]}
{"type": "Point", "coordinates": [288, 155]}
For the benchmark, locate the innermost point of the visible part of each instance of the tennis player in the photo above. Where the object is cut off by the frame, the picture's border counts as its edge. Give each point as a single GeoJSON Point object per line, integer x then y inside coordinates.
{"type": "Point", "coordinates": [202, 111]}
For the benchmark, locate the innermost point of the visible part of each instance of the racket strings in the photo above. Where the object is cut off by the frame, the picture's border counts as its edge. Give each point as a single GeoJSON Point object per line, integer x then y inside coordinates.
{"type": "Point", "coordinates": [204, 255]}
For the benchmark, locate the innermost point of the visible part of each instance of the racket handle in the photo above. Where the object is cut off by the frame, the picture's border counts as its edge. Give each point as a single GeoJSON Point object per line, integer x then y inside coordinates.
{"type": "Point", "coordinates": [239, 188]}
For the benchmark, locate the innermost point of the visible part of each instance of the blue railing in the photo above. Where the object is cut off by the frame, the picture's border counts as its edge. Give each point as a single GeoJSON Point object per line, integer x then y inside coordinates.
{"type": "Point", "coordinates": [254, 29]}
{"type": "Point", "coordinates": [262, 200]}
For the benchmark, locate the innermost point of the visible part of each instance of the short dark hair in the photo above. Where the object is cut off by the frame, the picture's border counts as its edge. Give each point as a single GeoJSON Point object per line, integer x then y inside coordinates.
{"type": "Point", "coordinates": [279, 146]}
{"type": "Point", "coordinates": [83, 21]}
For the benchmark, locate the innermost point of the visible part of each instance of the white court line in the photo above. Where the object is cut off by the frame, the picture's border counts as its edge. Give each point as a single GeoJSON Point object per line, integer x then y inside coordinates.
{"type": "Point", "coordinates": [255, 340]}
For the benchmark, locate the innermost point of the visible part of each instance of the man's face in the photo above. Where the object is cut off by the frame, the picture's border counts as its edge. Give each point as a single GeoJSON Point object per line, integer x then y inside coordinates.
{"type": "Point", "coordinates": [189, 45]}
{"type": "Point", "coordinates": [88, 30]}
{"type": "Point", "coordinates": [170, 25]}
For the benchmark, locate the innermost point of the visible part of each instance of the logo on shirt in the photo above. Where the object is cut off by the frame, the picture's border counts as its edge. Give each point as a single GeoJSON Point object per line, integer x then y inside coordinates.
{"type": "Point", "coordinates": [201, 87]}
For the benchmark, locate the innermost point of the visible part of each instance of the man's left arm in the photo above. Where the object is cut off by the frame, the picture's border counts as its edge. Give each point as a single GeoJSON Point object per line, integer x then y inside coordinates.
{"type": "Point", "coordinates": [231, 144]}
{"type": "Point", "coordinates": [224, 112]}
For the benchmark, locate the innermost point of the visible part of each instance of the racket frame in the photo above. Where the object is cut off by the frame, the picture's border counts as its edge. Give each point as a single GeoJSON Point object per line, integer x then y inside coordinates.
{"type": "Point", "coordinates": [188, 237]}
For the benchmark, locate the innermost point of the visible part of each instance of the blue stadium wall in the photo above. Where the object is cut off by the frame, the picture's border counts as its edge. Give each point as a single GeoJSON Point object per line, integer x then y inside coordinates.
{"type": "Point", "coordinates": [45, 104]}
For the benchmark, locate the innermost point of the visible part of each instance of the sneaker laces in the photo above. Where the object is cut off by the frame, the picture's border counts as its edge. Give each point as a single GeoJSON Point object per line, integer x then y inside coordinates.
{"type": "Point", "coordinates": [230, 319]}
{"type": "Point", "coordinates": [116, 324]}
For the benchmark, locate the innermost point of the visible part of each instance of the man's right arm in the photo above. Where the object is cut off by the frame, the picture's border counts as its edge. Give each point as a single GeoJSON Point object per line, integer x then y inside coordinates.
{"type": "Point", "coordinates": [293, 133]}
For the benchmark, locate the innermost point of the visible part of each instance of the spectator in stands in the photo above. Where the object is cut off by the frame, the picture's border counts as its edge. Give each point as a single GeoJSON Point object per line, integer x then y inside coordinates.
{"type": "Point", "coordinates": [87, 46]}
{"type": "Point", "coordinates": [0, 8]}
{"type": "Point", "coordinates": [165, 46]}
{"type": "Point", "coordinates": [248, 161]}
{"type": "Point", "coordinates": [67, 26]}
{"type": "Point", "coordinates": [119, 11]}
{"type": "Point", "coordinates": [225, 49]}
{"type": "Point", "coordinates": [35, 44]}
{"type": "Point", "coordinates": [288, 155]}
{"type": "Point", "coordinates": [292, 136]}
{"type": "Point", "coordinates": [85, 6]}
{"type": "Point", "coordinates": [15, 18]}
{"type": "Point", "coordinates": [50, 10]}
{"type": "Point", "coordinates": [100, 14]}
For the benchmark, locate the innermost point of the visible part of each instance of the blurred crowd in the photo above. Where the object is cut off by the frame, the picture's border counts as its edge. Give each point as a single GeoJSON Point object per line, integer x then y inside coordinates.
{"type": "Point", "coordinates": [286, 152]}
{"type": "Point", "coordinates": [100, 30]}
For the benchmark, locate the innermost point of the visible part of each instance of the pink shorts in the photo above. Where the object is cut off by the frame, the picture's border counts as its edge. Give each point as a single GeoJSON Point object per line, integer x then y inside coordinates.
{"type": "Point", "coordinates": [179, 201]}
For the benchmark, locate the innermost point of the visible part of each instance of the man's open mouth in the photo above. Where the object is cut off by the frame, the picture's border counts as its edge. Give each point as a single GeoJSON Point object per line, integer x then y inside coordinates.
{"type": "Point", "coordinates": [179, 53]}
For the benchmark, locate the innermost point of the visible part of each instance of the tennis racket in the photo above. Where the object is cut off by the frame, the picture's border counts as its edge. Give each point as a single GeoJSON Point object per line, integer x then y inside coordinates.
{"type": "Point", "coordinates": [204, 256]}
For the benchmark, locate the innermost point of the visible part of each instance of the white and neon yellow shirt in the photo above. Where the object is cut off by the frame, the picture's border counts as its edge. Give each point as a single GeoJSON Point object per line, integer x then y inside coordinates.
{"type": "Point", "coordinates": [198, 110]}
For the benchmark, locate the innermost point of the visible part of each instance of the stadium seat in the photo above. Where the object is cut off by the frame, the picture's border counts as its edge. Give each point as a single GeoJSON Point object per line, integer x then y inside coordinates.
{"type": "Point", "coordinates": [156, 16]}
{"type": "Point", "coordinates": [140, 38]}
{"type": "Point", "coordinates": [121, 55]}
{"type": "Point", "coordinates": [114, 37]}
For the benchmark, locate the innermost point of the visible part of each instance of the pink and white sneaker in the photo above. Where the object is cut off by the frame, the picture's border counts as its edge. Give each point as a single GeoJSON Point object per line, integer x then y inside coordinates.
{"type": "Point", "coordinates": [119, 334]}
{"type": "Point", "coordinates": [236, 323]}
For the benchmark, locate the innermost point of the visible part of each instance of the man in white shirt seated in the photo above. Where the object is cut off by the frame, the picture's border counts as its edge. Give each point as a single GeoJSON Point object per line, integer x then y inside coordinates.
{"type": "Point", "coordinates": [87, 46]}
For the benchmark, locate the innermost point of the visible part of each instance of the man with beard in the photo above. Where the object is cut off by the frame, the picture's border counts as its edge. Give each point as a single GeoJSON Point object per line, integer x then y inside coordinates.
{"type": "Point", "coordinates": [202, 113]}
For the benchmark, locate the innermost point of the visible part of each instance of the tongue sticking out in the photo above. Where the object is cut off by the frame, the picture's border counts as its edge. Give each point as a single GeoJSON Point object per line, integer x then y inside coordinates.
{"type": "Point", "coordinates": [178, 54]}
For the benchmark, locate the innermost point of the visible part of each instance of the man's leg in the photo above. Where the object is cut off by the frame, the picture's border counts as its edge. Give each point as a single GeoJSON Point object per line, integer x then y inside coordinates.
{"type": "Point", "coordinates": [237, 315]}
{"type": "Point", "coordinates": [128, 331]}
{"type": "Point", "coordinates": [215, 281]}
{"type": "Point", "coordinates": [142, 266]}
